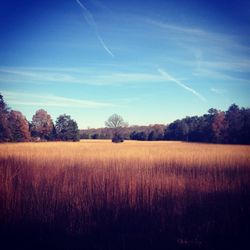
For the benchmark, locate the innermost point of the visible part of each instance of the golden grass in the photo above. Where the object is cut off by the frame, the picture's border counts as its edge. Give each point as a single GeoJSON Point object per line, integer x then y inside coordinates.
{"type": "Point", "coordinates": [80, 186]}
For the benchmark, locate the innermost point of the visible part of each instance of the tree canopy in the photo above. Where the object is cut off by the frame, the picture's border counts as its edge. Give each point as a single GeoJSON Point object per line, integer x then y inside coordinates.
{"type": "Point", "coordinates": [15, 127]}
{"type": "Point", "coordinates": [5, 133]}
{"type": "Point", "coordinates": [67, 128]}
{"type": "Point", "coordinates": [231, 126]}
{"type": "Point", "coordinates": [19, 127]}
{"type": "Point", "coordinates": [42, 125]}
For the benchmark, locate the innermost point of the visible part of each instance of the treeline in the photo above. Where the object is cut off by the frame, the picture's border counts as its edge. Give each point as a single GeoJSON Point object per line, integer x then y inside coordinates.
{"type": "Point", "coordinates": [14, 127]}
{"type": "Point", "coordinates": [143, 133]}
{"type": "Point", "coordinates": [231, 126]}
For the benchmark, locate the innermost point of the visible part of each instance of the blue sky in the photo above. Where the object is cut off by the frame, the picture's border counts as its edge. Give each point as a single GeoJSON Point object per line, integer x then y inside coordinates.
{"type": "Point", "coordinates": [149, 61]}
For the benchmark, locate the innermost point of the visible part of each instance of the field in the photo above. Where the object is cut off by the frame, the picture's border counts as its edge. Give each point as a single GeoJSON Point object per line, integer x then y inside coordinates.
{"type": "Point", "coordinates": [133, 195]}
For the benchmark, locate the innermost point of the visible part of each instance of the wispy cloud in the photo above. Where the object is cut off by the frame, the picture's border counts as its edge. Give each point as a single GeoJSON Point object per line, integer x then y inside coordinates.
{"type": "Point", "coordinates": [91, 22]}
{"type": "Point", "coordinates": [75, 76]}
{"type": "Point", "coordinates": [233, 69]}
{"type": "Point", "coordinates": [29, 99]}
{"type": "Point", "coordinates": [215, 74]}
{"type": "Point", "coordinates": [222, 51]}
{"type": "Point", "coordinates": [168, 77]}
{"type": "Point", "coordinates": [197, 34]}
{"type": "Point", "coordinates": [176, 28]}
{"type": "Point", "coordinates": [36, 75]}
{"type": "Point", "coordinates": [230, 64]}
{"type": "Point", "coordinates": [217, 91]}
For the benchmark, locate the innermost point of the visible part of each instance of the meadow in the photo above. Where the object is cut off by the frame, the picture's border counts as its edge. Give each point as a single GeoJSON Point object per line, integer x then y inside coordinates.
{"type": "Point", "coordinates": [95, 194]}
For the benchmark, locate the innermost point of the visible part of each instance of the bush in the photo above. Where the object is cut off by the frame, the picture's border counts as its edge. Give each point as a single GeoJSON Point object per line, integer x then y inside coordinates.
{"type": "Point", "coordinates": [117, 139]}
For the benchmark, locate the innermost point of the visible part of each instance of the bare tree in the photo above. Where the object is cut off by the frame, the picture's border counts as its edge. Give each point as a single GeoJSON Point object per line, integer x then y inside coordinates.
{"type": "Point", "coordinates": [116, 123]}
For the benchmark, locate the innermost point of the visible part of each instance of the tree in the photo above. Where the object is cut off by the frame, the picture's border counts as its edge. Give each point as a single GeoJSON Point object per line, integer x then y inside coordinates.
{"type": "Point", "coordinates": [193, 124]}
{"type": "Point", "coordinates": [67, 128]}
{"type": "Point", "coordinates": [235, 120]}
{"type": "Point", "coordinates": [19, 127]}
{"type": "Point", "coordinates": [178, 130]}
{"type": "Point", "coordinates": [116, 123]}
{"type": "Point", "coordinates": [152, 136]}
{"type": "Point", "coordinates": [95, 136]}
{"type": "Point", "coordinates": [42, 125]}
{"type": "Point", "coordinates": [219, 127]}
{"type": "Point", "coordinates": [156, 133]}
{"type": "Point", "coordinates": [141, 136]}
{"type": "Point", "coordinates": [5, 133]}
{"type": "Point", "coordinates": [246, 128]}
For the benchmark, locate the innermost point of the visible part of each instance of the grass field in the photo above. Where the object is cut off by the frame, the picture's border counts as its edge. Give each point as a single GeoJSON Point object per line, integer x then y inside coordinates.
{"type": "Point", "coordinates": [134, 195]}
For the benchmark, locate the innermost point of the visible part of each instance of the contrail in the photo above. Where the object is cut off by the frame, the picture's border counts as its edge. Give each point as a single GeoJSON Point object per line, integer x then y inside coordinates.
{"type": "Point", "coordinates": [171, 78]}
{"type": "Point", "coordinates": [104, 45]}
{"type": "Point", "coordinates": [91, 22]}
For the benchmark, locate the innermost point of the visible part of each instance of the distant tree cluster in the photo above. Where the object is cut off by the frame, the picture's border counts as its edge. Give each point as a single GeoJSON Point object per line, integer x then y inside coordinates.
{"type": "Point", "coordinates": [14, 127]}
{"type": "Point", "coordinates": [148, 133]}
{"type": "Point", "coordinates": [231, 126]}
{"type": "Point", "coordinates": [144, 133]}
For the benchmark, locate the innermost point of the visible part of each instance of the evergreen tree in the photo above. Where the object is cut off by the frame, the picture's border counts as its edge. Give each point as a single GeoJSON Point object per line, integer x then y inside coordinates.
{"type": "Point", "coordinates": [67, 129]}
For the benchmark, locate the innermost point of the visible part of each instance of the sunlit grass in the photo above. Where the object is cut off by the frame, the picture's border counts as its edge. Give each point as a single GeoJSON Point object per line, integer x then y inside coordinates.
{"type": "Point", "coordinates": [138, 188]}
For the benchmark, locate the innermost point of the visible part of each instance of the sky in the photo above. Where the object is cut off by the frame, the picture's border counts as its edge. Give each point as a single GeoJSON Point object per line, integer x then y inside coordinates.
{"type": "Point", "coordinates": [150, 61]}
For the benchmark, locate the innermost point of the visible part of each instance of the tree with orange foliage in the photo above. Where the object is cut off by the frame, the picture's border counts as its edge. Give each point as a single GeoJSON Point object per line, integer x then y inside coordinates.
{"type": "Point", "coordinates": [42, 125]}
{"type": "Point", "coordinates": [19, 126]}
{"type": "Point", "coordinates": [5, 132]}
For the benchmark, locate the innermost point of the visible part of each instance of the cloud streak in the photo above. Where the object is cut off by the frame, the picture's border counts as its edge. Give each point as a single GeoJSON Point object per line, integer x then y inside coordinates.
{"type": "Point", "coordinates": [176, 28]}
{"type": "Point", "coordinates": [25, 99]}
{"type": "Point", "coordinates": [214, 74]}
{"type": "Point", "coordinates": [91, 22]}
{"type": "Point", "coordinates": [217, 91]}
{"type": "Point", "coordinates": [194, 35]}
{"type": "Point", "coordinates": [168, 77]}
{"type": "Point", "coordinates": [75, 76]}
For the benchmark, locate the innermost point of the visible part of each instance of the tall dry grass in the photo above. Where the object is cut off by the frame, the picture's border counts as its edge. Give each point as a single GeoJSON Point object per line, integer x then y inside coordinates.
{"type": "Point", "coordinates": [134, 195]}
